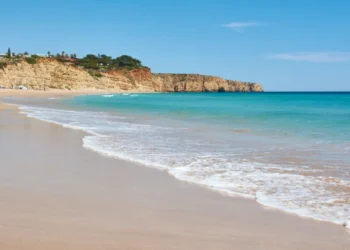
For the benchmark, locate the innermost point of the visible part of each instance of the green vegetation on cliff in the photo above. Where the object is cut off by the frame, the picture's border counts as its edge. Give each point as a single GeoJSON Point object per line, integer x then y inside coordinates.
{"type": "Point", "coordinates": [92, 62]}
{"type": "Point", "coordinates": [31, 60]}
{"type": "Point", "coordinates": [103, 62]}
{"type": "Point", "coordinates": [95, 74]}
{"type": "Point", "coordinates": [3, 65]}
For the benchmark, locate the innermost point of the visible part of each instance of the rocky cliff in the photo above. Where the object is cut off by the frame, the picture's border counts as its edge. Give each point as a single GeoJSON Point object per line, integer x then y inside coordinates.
{"type": "Point", "coordinates": [51, 74]}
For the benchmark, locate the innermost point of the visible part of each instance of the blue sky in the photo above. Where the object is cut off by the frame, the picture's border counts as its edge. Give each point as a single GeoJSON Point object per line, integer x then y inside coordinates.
{"type": "Point", "coordinates": [284, 45]}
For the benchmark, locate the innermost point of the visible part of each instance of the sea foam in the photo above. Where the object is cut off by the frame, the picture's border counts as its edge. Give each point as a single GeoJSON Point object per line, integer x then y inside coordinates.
{"type": "Point", "coordinates": [108, 96]}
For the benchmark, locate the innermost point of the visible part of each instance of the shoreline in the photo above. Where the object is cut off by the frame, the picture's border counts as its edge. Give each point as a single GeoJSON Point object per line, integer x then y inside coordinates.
{"type": "Point", "coordinates": [68, 93]}
{"type": "Point", "coordinates": [261, 202]}
{"type": "Point", "coordinates": [220, 192]}
{"type": "Point", "coordinates": [256, 217]}
{"type": "Point", "coordinates": [53, 93]}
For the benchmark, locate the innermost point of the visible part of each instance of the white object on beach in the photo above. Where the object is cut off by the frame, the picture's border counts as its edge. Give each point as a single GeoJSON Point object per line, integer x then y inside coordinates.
{"type": "Point", "coordinates": [22, 87]}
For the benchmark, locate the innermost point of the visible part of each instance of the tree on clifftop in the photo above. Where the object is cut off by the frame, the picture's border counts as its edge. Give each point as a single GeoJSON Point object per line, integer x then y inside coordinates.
{"type": "Point", "coordinates": [104, 62]}
{"type": "Point", "coordinates": [9, 53]}
{"type": "Point", "coordinates": [125, 61]}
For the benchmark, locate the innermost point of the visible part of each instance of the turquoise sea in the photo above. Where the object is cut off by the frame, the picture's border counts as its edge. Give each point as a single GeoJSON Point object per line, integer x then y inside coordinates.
{"type": "Point", "coordinates": [290, 151]}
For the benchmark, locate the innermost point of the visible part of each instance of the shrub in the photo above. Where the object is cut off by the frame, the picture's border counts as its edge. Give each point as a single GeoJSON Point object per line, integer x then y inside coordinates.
{"type": "Point", "coordinates": [35, 56]}
{"type": "Point", "coordinates": [93, 74]}
{"type": "Point", "coordinates": [60, 59]}
{"type": "Point", "coordinates": [3, 65]}
{"type": "Point", "coordinates": [31, 60]}
{"type": "Point", "coordinates": [183, 77]}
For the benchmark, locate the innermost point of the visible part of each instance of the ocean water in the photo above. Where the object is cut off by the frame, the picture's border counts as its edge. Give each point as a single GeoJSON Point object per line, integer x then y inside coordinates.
{"type": "Point", "coordinates": [289, 151]}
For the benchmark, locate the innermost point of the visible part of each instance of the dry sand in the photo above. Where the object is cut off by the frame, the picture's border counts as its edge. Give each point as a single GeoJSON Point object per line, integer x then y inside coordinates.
{"type": "Point", "coordinates": [48, 93]}
{"type": "Point", "coordinates": [54, 194]}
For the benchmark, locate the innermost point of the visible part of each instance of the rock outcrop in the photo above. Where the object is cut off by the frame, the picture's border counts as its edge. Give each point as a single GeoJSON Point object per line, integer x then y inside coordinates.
{"type": "Point", "coordinates": [201, 83]}
{"type": "Point", "coordinates": [51, 74]}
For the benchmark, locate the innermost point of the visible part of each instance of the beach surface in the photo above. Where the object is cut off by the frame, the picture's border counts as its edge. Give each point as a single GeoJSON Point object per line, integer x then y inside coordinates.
{"type": "Point", "coordinates": [55, 194]}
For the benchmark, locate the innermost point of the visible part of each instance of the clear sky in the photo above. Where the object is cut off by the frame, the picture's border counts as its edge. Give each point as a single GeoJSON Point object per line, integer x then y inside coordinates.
{"type": "Point", "coordinates": [284, 45]}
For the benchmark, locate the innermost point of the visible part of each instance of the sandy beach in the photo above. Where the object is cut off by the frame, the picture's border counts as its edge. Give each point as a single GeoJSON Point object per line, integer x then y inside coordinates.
{"type": "Point", "coordinates": [55, 194]}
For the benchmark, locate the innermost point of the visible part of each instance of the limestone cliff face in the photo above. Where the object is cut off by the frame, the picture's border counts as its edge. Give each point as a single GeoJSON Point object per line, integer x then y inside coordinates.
{"type": "Point", "coordinates": [201, 83]}
{"type": "Point", "coordinates": [51, 74]}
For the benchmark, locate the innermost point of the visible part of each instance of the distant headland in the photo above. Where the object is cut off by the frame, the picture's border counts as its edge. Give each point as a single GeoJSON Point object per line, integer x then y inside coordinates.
{"type": "Point", "coordinates": [102, 72]}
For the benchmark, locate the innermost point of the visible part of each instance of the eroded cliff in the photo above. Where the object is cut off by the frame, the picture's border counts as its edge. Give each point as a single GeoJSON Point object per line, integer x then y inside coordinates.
{"type": "Point", "coordinates": [51, 74]}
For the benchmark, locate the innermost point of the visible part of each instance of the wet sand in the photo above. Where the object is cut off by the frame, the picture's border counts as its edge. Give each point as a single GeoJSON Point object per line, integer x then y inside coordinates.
{"type": "Point", "coordinates": [54, 194]}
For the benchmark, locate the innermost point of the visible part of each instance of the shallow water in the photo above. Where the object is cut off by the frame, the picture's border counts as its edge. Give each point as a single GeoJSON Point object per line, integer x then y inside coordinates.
{"type": "Point", "coordinates": [286, 150]}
